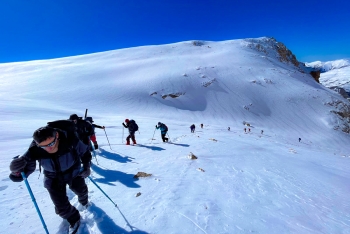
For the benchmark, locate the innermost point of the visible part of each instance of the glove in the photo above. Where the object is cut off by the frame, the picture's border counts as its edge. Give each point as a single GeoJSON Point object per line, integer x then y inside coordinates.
{"type": "Point", "coordinates": [17, 165]}
{"type": "Point", "coordinates": [16, 177]}
{"type": "Point", "coordinates": [156, 125]}
{"type": "Point", "coordinates": [103, 127]}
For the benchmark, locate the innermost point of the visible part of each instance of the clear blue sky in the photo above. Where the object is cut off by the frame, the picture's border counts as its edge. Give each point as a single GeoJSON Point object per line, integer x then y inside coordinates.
{"type": "Point", "coordinates": [42, 29]}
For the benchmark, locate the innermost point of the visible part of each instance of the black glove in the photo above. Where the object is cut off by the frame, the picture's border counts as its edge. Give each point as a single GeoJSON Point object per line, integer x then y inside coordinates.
{"type": "Point", "coordinates": [156, 125]}
{"type": "Point", "coordinates": [18, 164]}
{"type": "Point", "coordinates": [85, 172]}
{"type": "Point", "coordinates": [16, 177]}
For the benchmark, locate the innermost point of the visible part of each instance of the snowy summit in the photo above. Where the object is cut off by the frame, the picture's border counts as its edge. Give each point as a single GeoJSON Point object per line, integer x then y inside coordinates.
{"type": "Point", "coordinates": [272, 156]}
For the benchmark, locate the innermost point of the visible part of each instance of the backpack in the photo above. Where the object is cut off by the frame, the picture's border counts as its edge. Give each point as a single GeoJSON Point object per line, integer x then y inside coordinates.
{"type": "Point", "coordinates": [65, 125]}
{"type": "Point", "coordinates": [133, 125]}
{"type": "Point", "coordinates": [90, 120]}
{"type": "Point", "coordinates": [165, 127]}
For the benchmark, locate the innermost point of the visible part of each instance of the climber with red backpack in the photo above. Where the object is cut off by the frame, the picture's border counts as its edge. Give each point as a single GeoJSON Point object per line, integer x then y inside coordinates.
{"type": "Point", "coordinates": [132, 126]}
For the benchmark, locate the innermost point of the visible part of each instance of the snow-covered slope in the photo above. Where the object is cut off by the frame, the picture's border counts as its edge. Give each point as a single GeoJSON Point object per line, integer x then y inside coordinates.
{"type": "Point", "coordinates": [249, 182]}
{"type": "Point", "coordinates": [229, 81]}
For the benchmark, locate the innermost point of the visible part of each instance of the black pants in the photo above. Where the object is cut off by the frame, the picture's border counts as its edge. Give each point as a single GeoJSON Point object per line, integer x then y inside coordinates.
{"type": "Point", "coordinates": [57, 191]}
{"type": "Point", "coordinates": [132, 136]}
{"type": "Point", "coordinates": [163, 137]}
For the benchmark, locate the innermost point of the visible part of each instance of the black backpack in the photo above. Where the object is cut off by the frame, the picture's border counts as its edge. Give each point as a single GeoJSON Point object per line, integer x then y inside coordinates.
{"type": "Point", "coordinates": [90, 120]}
{"type": "Point", "coordinates": [65, 125]}
{"type": "Point", "coordinates": [165, 127]}
{"type": "Point", "coordinates": [133, 125]}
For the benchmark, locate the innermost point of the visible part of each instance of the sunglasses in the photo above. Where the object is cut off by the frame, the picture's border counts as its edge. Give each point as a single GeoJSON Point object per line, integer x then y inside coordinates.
{"type": "Point", "coordinates": [49, 145]}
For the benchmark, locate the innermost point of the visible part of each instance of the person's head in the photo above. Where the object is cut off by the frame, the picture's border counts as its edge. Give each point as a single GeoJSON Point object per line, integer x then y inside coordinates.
{"type": "Point", "coordinates": [74, 118]}
{"type": "Point", "coordinates": [47, 139]}
{"type": "Point", "coordinates": [127, 120]}
{"type": "Point", "coordinates": [159, 123]}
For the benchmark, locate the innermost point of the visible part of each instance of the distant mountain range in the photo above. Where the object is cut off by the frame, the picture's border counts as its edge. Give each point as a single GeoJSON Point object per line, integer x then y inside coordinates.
{"type": "Point", "coordinates": [334, 75]}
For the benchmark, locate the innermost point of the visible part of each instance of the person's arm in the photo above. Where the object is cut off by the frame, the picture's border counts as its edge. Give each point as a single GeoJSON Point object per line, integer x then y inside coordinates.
{"type": "Point", "coordinates": [24, 164]}
{"type": "Point", "coordinates": [98, 126]}
{"type": "Point", "coordinates": [125, 126]}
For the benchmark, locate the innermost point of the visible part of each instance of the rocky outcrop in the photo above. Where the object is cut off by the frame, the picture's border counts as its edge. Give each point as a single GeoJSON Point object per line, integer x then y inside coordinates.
{"type": "Point", "coordinates": [271, 47]}
{"type": "Point", "coordinates": [286, 55]}
{"type": "Point", "coordinates": [316, 75]}
{"type": "Point", "coordinates": [342, 110]}
{"type": "Point", "coordinates": [341, 91]}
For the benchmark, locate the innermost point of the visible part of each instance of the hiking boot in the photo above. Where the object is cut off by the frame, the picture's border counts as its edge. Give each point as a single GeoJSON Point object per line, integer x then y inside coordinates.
{"type": "Point", "coordinates": [128, 143]}
{"type": "Point", "coordinates": [134, 142]}
{"type": "Point", "coordinates": [74, 228]}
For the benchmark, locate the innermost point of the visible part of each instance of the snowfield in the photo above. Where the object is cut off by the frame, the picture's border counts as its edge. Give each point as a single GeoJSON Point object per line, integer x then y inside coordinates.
{"type": "Point", "coordinates": [241, 182]}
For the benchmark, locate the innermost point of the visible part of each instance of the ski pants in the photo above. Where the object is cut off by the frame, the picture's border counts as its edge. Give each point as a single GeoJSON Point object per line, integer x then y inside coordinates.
{"type": "Point", "coordinates": [58, 194]}
{"type": "Point", "coordinates": [163, 137]}
{"type": "Point", "coordinates": [93, 139]}
{"type": "Point", "coordinates": [132, 136]}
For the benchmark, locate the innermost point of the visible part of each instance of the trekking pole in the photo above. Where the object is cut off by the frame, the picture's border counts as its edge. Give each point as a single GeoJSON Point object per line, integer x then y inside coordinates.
{"type": "Point", "coordinates": [153, 134]}
{"type": "Point", "coordinates": [168, 136]}
{"type": "Point", "coordinates": [123, 136]}
{"type": "Point", "coordinates": [93, 151]}
{"type": "Point", "coordinates": [34, 201]}
{"type": "Point", "coordinates": [102, 191]}
{"type": "Point", "coordinates": [107, 138]}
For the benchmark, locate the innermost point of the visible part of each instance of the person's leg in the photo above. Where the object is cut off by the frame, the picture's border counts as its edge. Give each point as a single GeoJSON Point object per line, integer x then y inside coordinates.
{"type": "Point", "coordinates": [165, 139]}
{"type": "Point", "coordinates": [133, 138]}
{"type": "Point", "coordinates": [79, 187]}
{"type": "Point", "coordinates": [63, 208]}
{"type": "Point", "coordinates": [128, 140]}
{"type": "Point", "coordinates": [93, 139]}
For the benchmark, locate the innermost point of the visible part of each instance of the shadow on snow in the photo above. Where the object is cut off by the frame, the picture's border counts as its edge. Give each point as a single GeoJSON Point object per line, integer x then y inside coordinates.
{"type": "Point", "coordinates": [111, 176]}
{"type": "Point", "coordinates": [114, 156]}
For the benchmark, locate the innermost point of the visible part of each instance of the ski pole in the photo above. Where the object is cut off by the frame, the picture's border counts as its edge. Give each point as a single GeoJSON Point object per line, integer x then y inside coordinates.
{"type": "Point", "coordinates": [123, 136]}
{"type": "Point", "coordinates": [93, 151]}
{"type": "Point", "coordinates": [168, 136]}
{"type": "Point", "coordinates": [102, 191]}
{"type": "Point", "coordinates": [34, 201]}
{"type": "Point", "coordinates": [153, 134]}
{"type": "Point", "coordinates": [107, 138]}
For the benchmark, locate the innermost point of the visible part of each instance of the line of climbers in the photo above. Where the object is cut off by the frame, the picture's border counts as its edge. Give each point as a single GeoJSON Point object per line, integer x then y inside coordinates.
{"type": "Point", "coordinates": [63, 149]}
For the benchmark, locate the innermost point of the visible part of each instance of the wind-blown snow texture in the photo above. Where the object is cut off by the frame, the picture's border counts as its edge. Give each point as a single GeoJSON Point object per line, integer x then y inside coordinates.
{"type": "Point", "coordinates": [241, 182]}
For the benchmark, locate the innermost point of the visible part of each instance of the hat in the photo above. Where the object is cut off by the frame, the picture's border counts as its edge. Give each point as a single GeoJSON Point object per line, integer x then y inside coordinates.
{"type": "Point", "coordinates": [73, 117]}
{"type": "Point", "coordinates": [126, 120]}
{"type": "Point", "coordinates": [159, 123]}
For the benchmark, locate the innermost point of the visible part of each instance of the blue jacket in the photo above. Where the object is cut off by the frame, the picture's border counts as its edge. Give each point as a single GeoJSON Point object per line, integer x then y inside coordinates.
{"type": "Point", "coordinates": [163, 128]}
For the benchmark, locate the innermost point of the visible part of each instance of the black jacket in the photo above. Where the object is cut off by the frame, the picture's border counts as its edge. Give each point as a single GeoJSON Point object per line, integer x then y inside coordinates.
{"type": "Point", "coordinates": [65, 164]}
{"type": "Point", "coordinates": [84, 130]}
{"type": "Point", "coordinates": [131, 127]}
